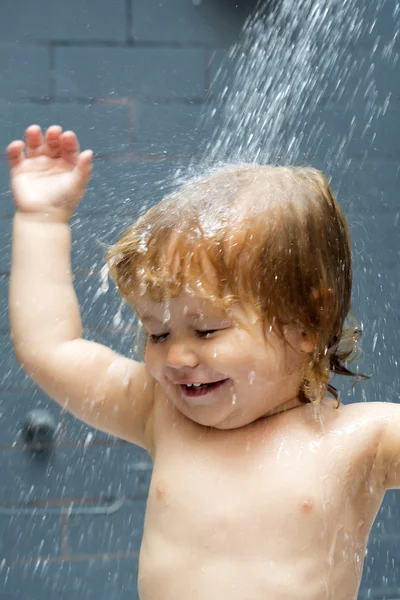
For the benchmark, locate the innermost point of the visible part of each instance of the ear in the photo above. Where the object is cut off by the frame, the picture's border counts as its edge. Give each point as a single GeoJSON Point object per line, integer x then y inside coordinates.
{"type": "Point", "coordinates": [306, 342]}
{"type": "Point", "coordinates": [299, 339]}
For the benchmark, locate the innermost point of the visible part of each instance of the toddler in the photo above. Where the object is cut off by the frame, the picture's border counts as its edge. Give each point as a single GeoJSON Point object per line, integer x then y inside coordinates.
{"type": "Point", "coordinates": [263, 487]}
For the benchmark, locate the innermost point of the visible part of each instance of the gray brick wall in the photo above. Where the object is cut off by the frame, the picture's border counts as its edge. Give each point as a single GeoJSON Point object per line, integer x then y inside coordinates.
{"type": "Point", "coordinates": [131, 78]}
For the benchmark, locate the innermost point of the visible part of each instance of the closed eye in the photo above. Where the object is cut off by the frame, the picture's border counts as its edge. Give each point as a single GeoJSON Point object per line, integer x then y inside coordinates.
{"type": "Point", "coordinates": [157, 339]}
{"type": "Point", "coordinates": [205, 334]}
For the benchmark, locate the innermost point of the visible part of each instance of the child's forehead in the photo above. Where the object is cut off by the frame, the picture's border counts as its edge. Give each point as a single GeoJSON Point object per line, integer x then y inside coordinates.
{"type": "Point", "coordinates": [184, 305]}
{"type": "Point", "coordinates": [196, 310]}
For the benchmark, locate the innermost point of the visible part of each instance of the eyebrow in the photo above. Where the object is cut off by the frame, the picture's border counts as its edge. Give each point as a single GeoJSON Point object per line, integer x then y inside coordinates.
{"type": "Point", "coordinates": [147, 318]}
{"type": "Point", "coordinates": [150, 318]}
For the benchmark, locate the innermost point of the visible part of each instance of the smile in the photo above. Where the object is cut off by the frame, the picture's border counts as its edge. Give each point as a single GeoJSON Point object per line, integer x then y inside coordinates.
{"type": "Point", "coordinates": [194, 390]}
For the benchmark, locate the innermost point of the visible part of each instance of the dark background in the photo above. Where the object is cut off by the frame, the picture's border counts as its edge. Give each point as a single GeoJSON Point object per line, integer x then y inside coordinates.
{"type": "Point", "coordinates": [131, 78]}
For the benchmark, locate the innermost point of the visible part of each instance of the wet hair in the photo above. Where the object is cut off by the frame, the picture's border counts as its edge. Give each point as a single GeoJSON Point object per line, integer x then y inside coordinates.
{"type": "Point", "coordinates": [273, 237]}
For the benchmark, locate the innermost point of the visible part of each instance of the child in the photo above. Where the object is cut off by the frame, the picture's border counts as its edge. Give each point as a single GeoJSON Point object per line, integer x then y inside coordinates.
{"type": "Point", "coordinates": [262, 487]}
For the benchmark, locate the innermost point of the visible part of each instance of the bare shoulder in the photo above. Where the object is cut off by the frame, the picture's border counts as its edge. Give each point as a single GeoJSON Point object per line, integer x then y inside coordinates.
{"type": "Point", "coordinates": [359, 425]}
{"type": "Point", "coordinates": [384, 420]}
{"type": "Point", "coordinates": [358, 416]}
{"type": "Point", "coordinates": [358, 429]}
{"type": "Point", "coordinates": [364, 428]}
{"type": "Point", "coordinates": [374, 414]}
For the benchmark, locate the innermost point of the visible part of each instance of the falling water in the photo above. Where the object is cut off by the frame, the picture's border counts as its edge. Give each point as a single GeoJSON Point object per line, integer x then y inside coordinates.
{"type": "Point", "coordinates": [271, 98]}
{"type": "Point", "coordinates": [280, 89]}
{"type": "Point", "coordinates": [274, 98]}
{"type": "Point", "coordinates": [308, 84]}
{"type": "Point", "coordinates": [284, 87]}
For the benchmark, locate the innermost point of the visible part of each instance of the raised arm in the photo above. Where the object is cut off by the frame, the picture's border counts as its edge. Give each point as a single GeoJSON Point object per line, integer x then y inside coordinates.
{"type": "Point", "coordinates": [108, 391]}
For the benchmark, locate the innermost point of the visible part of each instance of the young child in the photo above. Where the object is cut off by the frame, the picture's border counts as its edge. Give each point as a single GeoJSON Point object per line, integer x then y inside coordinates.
{"type": "Point", "coordinates": [262, 487]}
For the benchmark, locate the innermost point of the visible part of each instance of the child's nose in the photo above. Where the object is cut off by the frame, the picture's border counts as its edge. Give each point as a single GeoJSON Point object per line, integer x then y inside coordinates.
{"type": "Point", "coordinates": [179, 355]}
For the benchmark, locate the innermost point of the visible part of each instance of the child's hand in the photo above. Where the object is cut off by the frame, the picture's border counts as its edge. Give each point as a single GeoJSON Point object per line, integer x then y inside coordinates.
{"type": "Point", "coordinates": [50, 176]}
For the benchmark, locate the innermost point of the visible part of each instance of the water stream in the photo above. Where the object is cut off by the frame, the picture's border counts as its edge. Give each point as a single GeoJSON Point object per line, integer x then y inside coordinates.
{"type": "Point", "coordinates": [271, 99]}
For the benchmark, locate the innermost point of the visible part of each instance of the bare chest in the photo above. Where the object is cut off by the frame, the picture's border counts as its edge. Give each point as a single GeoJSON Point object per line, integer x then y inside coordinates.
{"type": "Point", "coordinates": [257, 489]}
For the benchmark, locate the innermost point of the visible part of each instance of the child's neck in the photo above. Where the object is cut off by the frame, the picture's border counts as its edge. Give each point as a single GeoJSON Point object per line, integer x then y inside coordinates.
{"type": "Point", "coordinates": [292, 403]}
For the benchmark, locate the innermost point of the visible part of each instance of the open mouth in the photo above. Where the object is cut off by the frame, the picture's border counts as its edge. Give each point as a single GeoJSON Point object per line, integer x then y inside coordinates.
{"type": "Point", "coordinates": [195, 390]}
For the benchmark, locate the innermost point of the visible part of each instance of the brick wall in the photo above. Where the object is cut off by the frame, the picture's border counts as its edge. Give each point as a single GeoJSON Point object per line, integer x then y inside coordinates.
{"type": "Point", "coordinates": [130, 77]}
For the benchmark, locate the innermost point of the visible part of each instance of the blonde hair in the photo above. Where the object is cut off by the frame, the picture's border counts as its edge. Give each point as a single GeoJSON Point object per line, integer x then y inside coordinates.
{"type": "Point", "coordinates": [274, 237]}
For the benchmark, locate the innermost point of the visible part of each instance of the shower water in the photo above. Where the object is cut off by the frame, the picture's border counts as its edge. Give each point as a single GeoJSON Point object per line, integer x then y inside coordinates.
{"type": "Point", "coordinates": [271, 97]}
{"type": "Point", "coordinates": [274, 96]}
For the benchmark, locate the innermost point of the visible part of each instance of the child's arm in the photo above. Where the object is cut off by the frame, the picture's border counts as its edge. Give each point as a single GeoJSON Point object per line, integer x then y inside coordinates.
{"type": "Point", "coordinates": [104, 389]}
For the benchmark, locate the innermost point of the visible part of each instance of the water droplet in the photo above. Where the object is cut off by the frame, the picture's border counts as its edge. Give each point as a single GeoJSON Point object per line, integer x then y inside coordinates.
{"type": "Point", "coordinates": [126, 379]}
{"type": "Point", "coordinates": [88, 439]}
{"type": "Point", "coordinates": [374, 342]}
{"type": "Point", "coordinates": [117, 320]}
{"type": "Point", "coordinates": [142, 288]}
{"type": "Point", "coordinates": [104, 279]}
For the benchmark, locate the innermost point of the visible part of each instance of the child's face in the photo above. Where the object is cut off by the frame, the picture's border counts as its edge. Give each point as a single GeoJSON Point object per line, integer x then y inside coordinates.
{"type": "Point", "coordinates": [247, 373]}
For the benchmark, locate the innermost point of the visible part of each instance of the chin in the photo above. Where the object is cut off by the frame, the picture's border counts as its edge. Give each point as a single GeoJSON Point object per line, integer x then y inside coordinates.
{"type": "Point", "coordinates": [206, 416]}
{"type": "Point", "coordinates": [233, 422]}
{"type": "Point", "coordinates": [211, 418]}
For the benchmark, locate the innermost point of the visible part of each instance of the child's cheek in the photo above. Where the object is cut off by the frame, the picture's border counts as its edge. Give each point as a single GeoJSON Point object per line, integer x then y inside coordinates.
{"type": "Point", "coordinates": [220, 352]}
{"type": "Point", "coordinates": [214, 352]}
{"type": "Point", "coordinates": [151, 362]}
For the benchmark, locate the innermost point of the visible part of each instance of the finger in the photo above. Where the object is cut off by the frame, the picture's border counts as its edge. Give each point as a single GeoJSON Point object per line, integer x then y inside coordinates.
{"type": "Point", "coordinates": [15, 153]}
{"type": "Point", "coordinates": [52, 145]}
{"type": "Point", "coordinates": [84, 163]}
{"type": "Point", "coordinates": [69, 146]}
{"type": "Point", "coordinates": [33, 140]}
{"type": "Point", "coordinates": [85, 160]}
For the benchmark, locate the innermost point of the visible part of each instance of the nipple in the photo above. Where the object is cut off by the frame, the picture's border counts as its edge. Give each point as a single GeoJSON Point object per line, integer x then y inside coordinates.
{"type": "Point", "coordinates": [307, 505]}
{"type": "Point", "coordinates": [161, 490]}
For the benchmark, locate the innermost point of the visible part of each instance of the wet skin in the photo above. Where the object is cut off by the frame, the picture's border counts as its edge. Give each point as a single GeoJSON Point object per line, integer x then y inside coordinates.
{"type": "Point", "coordinates": [278, 509]}
{"type": "Point", "coordinates": [253, 494]}
{"type": "Point", "coordinates": [191, 341]}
